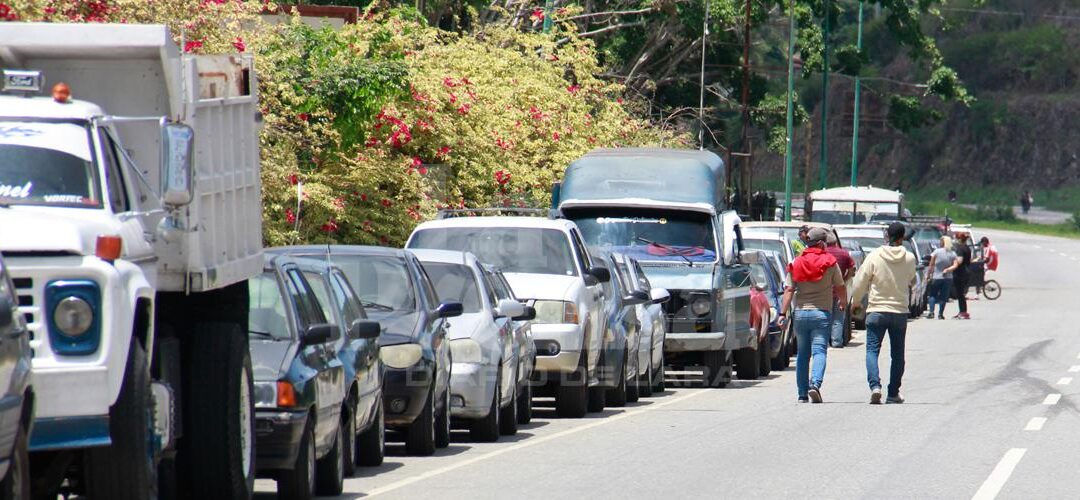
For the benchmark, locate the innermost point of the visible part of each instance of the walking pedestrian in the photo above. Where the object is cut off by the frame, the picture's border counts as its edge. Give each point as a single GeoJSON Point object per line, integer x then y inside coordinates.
{"type": "Point", "coordinates": [939, 273]}
{"type": "Point", "coordinates": [847, 270]}
{"type": "Point", "coordinates": [887, 275]}
{"type": "Point", "coordinates": [1025, 201]}
{"type": "Point", "coordinates": [817, 279]}
{"type": "Point", "coordinates": [961, 273]}
{"type": "Point", "coordinates": [989, 254]}
{"type": "Point", "coordinates": [798, 245]}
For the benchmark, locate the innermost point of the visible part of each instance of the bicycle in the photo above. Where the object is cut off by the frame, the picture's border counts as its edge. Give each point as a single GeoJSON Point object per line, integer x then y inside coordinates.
{"type": "Point", "coordinates": [990, 289]}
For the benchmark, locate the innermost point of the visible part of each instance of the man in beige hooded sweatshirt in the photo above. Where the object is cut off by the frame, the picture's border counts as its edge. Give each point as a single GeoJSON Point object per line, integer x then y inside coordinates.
{"type": "Point", "coordinates": [887, 274]}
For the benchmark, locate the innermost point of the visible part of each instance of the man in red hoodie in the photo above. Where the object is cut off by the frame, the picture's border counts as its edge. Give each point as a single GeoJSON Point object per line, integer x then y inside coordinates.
{"type": "Point", "coordinates": [817, 279]}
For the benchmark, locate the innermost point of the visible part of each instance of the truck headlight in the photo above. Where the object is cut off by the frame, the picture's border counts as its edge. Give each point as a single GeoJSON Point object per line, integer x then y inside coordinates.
{"type": "Point", "coordinates": [465, 351]}
{"type": "Point", "coordinates": [555, 311]}
{"type": "Point", "coordinates": [73, 315]}
{"type": "Point", "coordinates": [700, 306]}
{"type": "Point", "coordinates": [400, 356]}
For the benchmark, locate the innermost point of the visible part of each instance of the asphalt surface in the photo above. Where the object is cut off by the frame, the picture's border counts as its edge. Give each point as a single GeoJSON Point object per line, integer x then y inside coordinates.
{"type": "Point", "coordinates": [1037, 215]}
{"type": "Point", "coordinates": [976, 392]}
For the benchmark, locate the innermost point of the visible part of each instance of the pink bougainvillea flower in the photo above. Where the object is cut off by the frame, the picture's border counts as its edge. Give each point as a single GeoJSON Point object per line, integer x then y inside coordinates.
{"type": "Point", "coordinates": [192, 45]}
{"type": "Point", "coordinates": [386, 203]}
{"type": "Point", "coordinates": [330, 226]}
{"type": "Point", "coordinates": [7, 14]}
{"type": "Point", "coordinates": [290, 217]}
{"type": "Point", "coordinates": [555, 136]}
{"type": "Point", "coordinates": [449, 82]}
{"type": "Point", "coordinates": [416, 161]}
{"type": "Point", "coordinates": [339, 203]}
{"type": "Point", "coordinates": [464, 109]}
{"type": "Point", "coordinates": [371, 142]}
{"type": "Point", "coordinates": [401, 136]}
{"type": "Point", "coordinates": [423, 125]}
{"type": "Point", "coordinates": [422, 170]}
{"type": "Point", "coordinates": [453, 98]}
{"type": "Point", "coordinates": [573, 89]}
{"type": "Point", "coordinates": [619, 100]}
{"type": "Point", "coordinates": [502, 177]}
{"type": "Point", "coordinates": [294, 179]}
{"type": "Point", "coordinates": [363, 197]}
{"type": "Point", "coordinates": [444, 151]}
{"type": "Point", "coordinates": [537, 15]}
{"type": "Point", "coordinates": [536, 113]}
{"type": "Point", "coordinates": [239, 44]}
{"type": "Point", "coordinates": [561, 11]}
{"type": "Point", "coordinates": [303, 117]}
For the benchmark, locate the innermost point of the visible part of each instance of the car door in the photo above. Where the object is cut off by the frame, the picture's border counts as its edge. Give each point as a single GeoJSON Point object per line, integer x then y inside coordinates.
{"type": "Point", "coordinates": [322, 358]}
{"type": "Point", "coordinates": [364, 352]}
{"type": "Point", "coordinates": [505, 329]}
{"type": "Point", "coordinates": [525, 350]}
{"type": "Point", "coordinates": [593, 301]}
{"type": "Point", "coordinates": [436, 327]}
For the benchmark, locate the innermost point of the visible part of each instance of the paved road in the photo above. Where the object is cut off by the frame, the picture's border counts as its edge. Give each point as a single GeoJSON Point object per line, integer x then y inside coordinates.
{"type": "Point", "coordinates": [1037, 215]}
{"type": "Point", "coordinates": [983, 417]}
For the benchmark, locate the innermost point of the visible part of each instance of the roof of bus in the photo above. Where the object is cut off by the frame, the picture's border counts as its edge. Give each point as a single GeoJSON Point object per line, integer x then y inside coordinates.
{"type": "Point", "coordinates": [857, 193]}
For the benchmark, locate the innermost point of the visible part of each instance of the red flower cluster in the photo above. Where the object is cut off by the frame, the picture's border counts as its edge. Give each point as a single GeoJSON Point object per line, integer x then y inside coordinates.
{"type": "Point", "coordinates": [192, 45]}
{"type": "Point", "coordinates": [464, 109]}
{"type": "Point", "coordinates": [330, 226]}
{"type": "Point", "coordinates": [6, 13]}
{"type": "Point", "coordinates": [573, 89]}
{"type": "Point", "coordinates": [386, 203]}
{"type": "Point", "coordinates": [239, 44]}
{"type": "Point", "coordinates": [537, 15]}
{"type": "Point", "coordinates": [290, 217]}
{"type": "Point", "coordinates": [502, 177]}
{"type": "Point", "coordinates": [294, 179]}
{"type": "Point", "coordinates": [536, 113]}
{"type": "Point", "coordinates": [444, 151]}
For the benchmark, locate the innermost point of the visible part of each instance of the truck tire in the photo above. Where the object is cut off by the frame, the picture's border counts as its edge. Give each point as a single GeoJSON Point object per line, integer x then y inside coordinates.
{"type": "Point", "coordinates": [572, 396]}
{"type": "Point", "coordinates": [371, 445]}
{"type": "Point", "coordinates": [218, 449]}
{"type": "Point", "coordinates": [524, 403]}
{"type": "Point", "coordinates": [330, 470]}
{"type": "Point", "coordinates": [442, 421]}
{"type": "Point", "coordinates": [746, 363]}
{"type": "Point", "coordinates": [420, 435]}
{"type": "Point", "coordinates": [486, 430]}
{"type": "Point", "coordinates": [126, 469]}
{"type": "Point", "coordinates": [765, 363]}
{"type": "Point", "coordinates": [348, 433]}
{"type": "Point", "coordinates": [298, 483]}
{"type": "Point", "coordinates": [16, 485]}
{"type": "Point", "coordinates": [717, 368]}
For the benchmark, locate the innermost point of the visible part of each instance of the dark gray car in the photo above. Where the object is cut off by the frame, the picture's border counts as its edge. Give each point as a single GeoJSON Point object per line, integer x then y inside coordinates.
{"type": "Point", "coordinates": [17, 401]}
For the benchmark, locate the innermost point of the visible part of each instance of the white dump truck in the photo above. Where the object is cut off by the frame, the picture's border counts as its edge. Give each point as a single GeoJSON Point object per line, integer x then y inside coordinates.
{"type": "Point", "coordinates": [130, 222]}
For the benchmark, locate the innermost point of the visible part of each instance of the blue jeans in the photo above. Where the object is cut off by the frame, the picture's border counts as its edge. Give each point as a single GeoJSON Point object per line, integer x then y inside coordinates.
{"type": "Point", "coordinates": [879, 324]}
{"type": "Point", "coordinates": [939, 294]}
{"type": "Point", "coordinates": [812, 332]}
{"type": "Point", "coordinates": [837, 327]}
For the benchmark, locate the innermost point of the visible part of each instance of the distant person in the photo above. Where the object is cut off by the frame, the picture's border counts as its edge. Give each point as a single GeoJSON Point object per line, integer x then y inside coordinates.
{"type": "Point", "coordinates": [847, 270]}
{"type": "Point", "coordinates": [940, 275]}
{"type": "Point", "coordinates": [952, 196]}
{"type": "Point", "coordinates": [814, 281]}
{"type": "Point", "coordinates": [798, 245]}
{"type": "Point", "coordinates": [961, 274]}
{"type": "Point", "coordinates": [1025, 201]}
{"type": "Point", "coordinates": [887, 275]}
{"type": "Point", "coordinates": [989, 254]}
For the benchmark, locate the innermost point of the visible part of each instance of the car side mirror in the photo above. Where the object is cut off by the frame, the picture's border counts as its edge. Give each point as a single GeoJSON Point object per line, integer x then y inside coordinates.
{"type": "Point", "coordinates": [365, 329]}
{"type": "Point", "coordinates": [659, 295]}
{"type": "Point", "coordinates": [636, 297]}
{"type": "Point", "coordinates": [6, 315]}
{"type": "Point", "coordinates": [600, 273]}
{"type": "Point", "coordinates": [177, 164]}
{"type": "Point", "coordinates": [319, 334]}
{"type": "Point", "coordinates": [508, 308]}
{"type": "Point", "coordinates": [449, 310]}
{"type": "Point", "coordinates": [528, 315]}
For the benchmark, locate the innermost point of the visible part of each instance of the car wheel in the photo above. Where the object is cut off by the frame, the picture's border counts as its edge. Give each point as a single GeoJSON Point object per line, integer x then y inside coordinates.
{"type": "Point", "coordinates": [298, 483]}
{"type": "Point", "coordinates": [486, 429]}
{"type": "Point", "coordinates": [645, 384]}
{"type": "Point", "coordinates": [16, 485]}
{"type": "Point", "coordinates": [508, 420]}
{"type": "Point", "coordinates": [717, 368]}
{"type": "Point", "coordinates": [442, 421]}
{"type": "Point", "coordinates": [524, 402]}
{"type": "Point", "coordinates": [572, 396]}
{"type": "Point", "coordinates": [660, 385]}
{"type": "Point", "coordinates": [330, 470]}
{"type": "Point", "coordinates": [765, 363]}
{"type": "Point", "coordinates": [420, 435]}
{"type": "Point", "coordinates": [746, 363]}
{"type": "Point", "coordinates": [618, 396]}
{"type": "Point", "coordinates": [348, 433]}
{"type": "Point", "coordinates": [597, 399]}
{"type": "Point", "coordinates": [371, 445]}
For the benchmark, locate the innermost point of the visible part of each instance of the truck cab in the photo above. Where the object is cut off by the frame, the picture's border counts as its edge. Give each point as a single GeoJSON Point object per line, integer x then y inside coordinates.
{"type": "Point", "coordinates": [667, 209]}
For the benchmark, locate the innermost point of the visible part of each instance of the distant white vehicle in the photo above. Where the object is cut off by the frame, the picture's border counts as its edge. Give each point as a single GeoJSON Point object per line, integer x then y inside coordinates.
{"type": "Point", "coordinates": [855, 205]}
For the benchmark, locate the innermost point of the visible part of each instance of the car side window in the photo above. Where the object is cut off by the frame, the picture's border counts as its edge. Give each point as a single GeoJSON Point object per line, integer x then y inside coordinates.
{"type": "Point", "coordinates": [425, 285]}
{"type": "Point", "coordinates": [118, 198]}
{"type": "Point", "coordinates": [323, 299]}
{"type": "Point", "coordinates": [310, 311]}
{"type": "Point", "coordinates": [501, 290]}
{"type": "Point", "coordinates": [489, 288]}
{"type": "Point", "coordinates": [580, 251]}
{"type": "Point", "coordinates": [346, 297]}
{"type": "Point", "coordinates": [643, 281]}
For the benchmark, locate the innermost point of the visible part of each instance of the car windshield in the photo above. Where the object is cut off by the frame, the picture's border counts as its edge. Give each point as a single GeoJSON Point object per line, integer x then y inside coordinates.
{"type": "Point", "coordinates": [853, 212]}
{"type": "Point", "coordinates": [455, 282]}
{"type": "Point", "coordinates": [511, 249]}
{"type": "Point", "coordinates": [649, 235]}
{"type": "Point", "coordinates": [267, 317]}
{"type": "Point", "coordinates": [777, 246]}
{"type": "Point", "coordinates": [47, 163]}
{"type": "Point", "coordinates": [381, 283]}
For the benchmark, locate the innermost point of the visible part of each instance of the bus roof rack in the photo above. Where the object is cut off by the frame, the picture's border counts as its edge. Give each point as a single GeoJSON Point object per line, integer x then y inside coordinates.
{"type": "Point", "coordinates": [497, 211]}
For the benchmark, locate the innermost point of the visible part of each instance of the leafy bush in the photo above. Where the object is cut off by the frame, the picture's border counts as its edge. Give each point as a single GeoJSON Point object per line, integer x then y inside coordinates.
{"type": "Point", "coordinates": [1075, 220]}
{"type": "Point", "coordinates": [995, 213]}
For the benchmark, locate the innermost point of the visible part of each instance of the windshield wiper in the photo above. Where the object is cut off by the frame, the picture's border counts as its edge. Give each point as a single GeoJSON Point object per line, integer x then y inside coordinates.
{"type": "Point", "coordinates": [671, 250]}
{"type": "Point", "coordinates": [262, 334]}
{"type": "Point", "coordinates": [373, 305]}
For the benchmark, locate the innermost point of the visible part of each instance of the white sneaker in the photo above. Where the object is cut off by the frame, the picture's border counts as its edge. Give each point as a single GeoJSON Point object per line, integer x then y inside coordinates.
{"type": "Point", "coordinates": [875, 396]}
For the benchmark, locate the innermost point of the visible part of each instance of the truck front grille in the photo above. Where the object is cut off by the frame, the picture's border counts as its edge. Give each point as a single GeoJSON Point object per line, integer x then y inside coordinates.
{"type": "Point", "coordinates": [31, 300]}
{"type": "Point", "coordinates": [680, 319]}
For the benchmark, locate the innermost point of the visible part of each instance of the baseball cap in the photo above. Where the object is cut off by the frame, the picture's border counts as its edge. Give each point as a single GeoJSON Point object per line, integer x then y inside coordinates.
{"type": "Point", "coordinates": [831, 238]}
{"type": "Point", "coordinates": [896, 231]}
{"type": "Point", "coordinates": [817, 234]}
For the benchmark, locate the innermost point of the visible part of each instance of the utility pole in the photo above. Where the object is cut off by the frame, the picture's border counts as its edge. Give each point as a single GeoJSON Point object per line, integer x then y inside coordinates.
{"type": "Point", "coordinates": [701, 95]}
{"type": "Point", "coordinates": [855, 123]}
{"type": "Point", "coordinates": [825, 97]}
{"type": "Point", "coordinates": [549, 10]}
{"type": "Point", "coordinates": [746, 175]}
{"type": "Point", "coordinates": [790, 110]}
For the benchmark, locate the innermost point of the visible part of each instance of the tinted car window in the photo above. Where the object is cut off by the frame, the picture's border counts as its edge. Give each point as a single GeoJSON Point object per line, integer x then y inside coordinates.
{"type": "Point", "coordinates": [426, 286]}
{"type": "Point", "coordinates": [321, 289]}
{"type": "Point", "coordinates": [310, 312]}
{"type": "Point", "coordinates": [382, 283]}
{"type": "Point", "coordinates": [511, 249]}
{"type": "Point", "coordinates": [267, 314]}
{"type": "Point", "coordinates": [455, 282]}
{"type": "Point", "coordinates": [346, 298]}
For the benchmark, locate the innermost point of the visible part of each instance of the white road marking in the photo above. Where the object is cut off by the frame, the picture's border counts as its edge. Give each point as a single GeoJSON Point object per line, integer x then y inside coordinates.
{"type": "Point", "coordinates": [1064, 381]}
{"type": "Point", "coordinates": [1052, 399]}
{"type": "Point", "coordinates": [993, 484]}
{"type": "Point", "coordinates": [1035, 424]}
{"type": "Point", "coordinates": [1074, 369]}
{"type": "Point", "coordinates": [525, 444]}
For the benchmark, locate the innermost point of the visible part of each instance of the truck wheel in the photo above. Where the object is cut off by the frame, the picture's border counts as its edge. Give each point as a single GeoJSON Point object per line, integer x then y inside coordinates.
{"type": "Point", "coordinates": [617, 396]}
{"type": "Point", "coordinates": [126, 469]}
{"type": "Point", "coordinates": [371, 445]}
{"type": "Point", "coordinates": [746, 363]}
{"type": "Point", "coordinates": [420, 435]}
{"type": "Point", "coordinates": [219, 414]}
{"type": "Point", "coordinates": [330, 470]}
{"type": "Point", "coordinates": [442, 421]}
{"type": "Point", "coordinates": [16, 486]}
{"type": "Point", "coordinates": [572, 396]}
{"type": "Point", "coordinates": [508, 419]}
{"type": "Point", "coordinates": [717, 368]}
{"type": "Point", "coordinates": [486, 429]}
{"type": "Point", "coordinates": [524, 402]}
{"type": "Point", "coordinates": [348, 432]}
{"type": "Point", "coordinates": [298, 483]}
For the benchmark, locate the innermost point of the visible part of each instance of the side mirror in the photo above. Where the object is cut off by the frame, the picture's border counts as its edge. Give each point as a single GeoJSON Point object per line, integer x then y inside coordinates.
{"type": "Point", "coordinates": [509, 308]}
{"type": "Point", "coordinates": [636, 297]}
{"type": "Point", "coordinates": [319, 334]}
{"type": "Point", "coordinates": [659, 295]}
{"type": "Point", "coordinates": [6, 314]}
{"type": "Point", "coordinates": [177, 161]}
{"type": "Point", "coordinates": [365, 329]}
{"type": "Point", "coordinates": [528, 315]}
{"type": "Point", "coordinates": [449, 310]}
{"type": "Point", "coordinates": [600, 273]}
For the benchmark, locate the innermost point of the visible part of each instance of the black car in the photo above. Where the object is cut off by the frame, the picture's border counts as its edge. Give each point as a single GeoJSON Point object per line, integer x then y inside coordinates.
{"type": "Point", "coordinates": [16, 400]}
{"type": "Point", "coordinates": [395, 290]}
{"type": "Point", "coordinates": [299, 381]}
{"type": "Point", "coordinates": [362, 415]}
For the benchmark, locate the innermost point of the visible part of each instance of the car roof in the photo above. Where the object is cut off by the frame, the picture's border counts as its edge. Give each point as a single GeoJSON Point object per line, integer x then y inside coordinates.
{"type": "Point", "coordinates": [765, 224]}
{"type": "Point", "coordinates": [499, 221]}
{"type": "Point", "coordinates": [765, 234]}
{"type": "Point", "coordinates": [338, 250]}
{"type": "Point", "coordinates": [447, 257]}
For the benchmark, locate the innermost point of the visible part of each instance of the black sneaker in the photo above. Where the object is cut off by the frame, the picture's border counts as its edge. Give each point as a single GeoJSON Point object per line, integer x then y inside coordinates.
{"type": "Point", "coordinates": [930, 315]}
{"type": "Point", "coordinates": [815, 394]}
{"type": "Point", "coordinates": [941, 316]}
{"type": "Point", "coordinates": [804, 399]}
{"type": "Point", "coordinates": [895, 400]}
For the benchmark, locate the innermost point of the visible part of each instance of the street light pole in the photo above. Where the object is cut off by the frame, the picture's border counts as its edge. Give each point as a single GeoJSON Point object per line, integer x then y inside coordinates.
{"type": "Point", "coordinates": [855, 123]}
{"type": "Point", "coordinates": [825, 98]}
{"type": "Point", "coordinates": [549, 7]}
{"type": "Point", "coordinates": [790, 110]}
